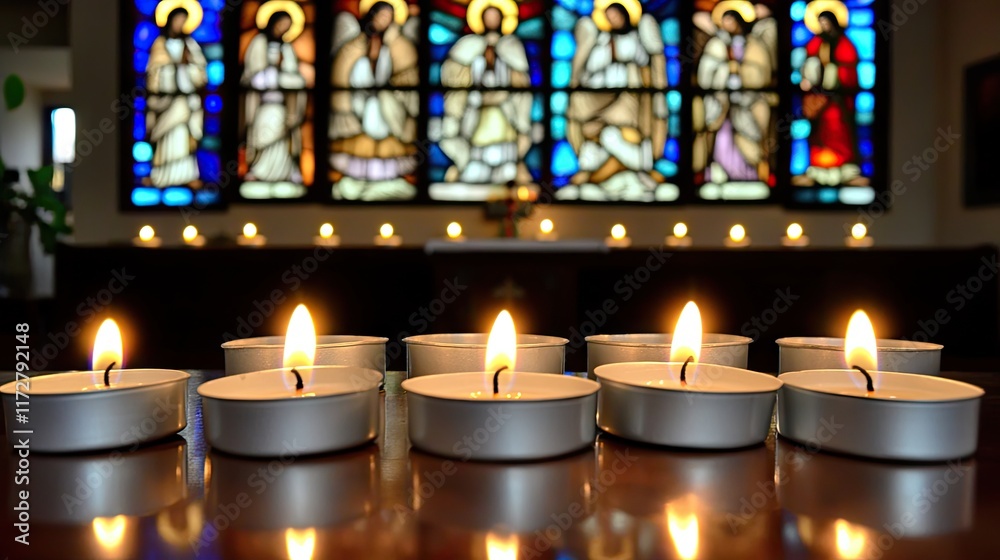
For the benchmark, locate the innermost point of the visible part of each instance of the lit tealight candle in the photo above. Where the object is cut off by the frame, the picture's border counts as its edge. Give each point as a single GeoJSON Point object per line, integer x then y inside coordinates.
{"type": "Point", "coordinates": [859, 238]}
{"type": "Point", "coordinates": [327, 237]}
{"type": "Point", "coordinates": [686, 403]}
{"type": "Point", "coordinates": [546, 231]}
{"type": "Point", "coordinates": [795, 236]}
{"type": "Point", "coordinates": [64, 406]}
{"type": "Point", "coordinates": [550, 415]}
{"type": "Point", "coordinates": [147, 238]}
{"type": "Point", "coordinates": [618, 238]}
{"type": "Point", "coordinates": [250, 237]}
{"type": "Point", "coordinates": [387, 236]}
{"type": "Point", "coordinates": [258, 414]}
{"type": "Point", "coordinates": [680, 237]}
{"type": "Point", "coordinates": [894, 416]}
{"type": "Point", "coordinates": [454, 231]}
{"type": "Point", "coordinates": [192, 238]}
{"type": "Point", "coordinates": [737, 237]}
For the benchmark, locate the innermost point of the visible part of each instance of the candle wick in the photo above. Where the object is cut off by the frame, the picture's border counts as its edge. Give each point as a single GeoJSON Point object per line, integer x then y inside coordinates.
{"type": "Point", "coordinates": [684, 369]}
{"type": "Point", "coordinates": [868, 378]}
{"type": "Point", "coordinates": [496, 380]}
{"type": "Point", "coordinates": [298, 380]}
{"type": "Point", "coordinates": [107, 374]}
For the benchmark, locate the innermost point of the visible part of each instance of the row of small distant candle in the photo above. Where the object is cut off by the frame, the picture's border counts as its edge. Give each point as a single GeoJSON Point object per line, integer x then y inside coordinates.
{"type": "Point", "coordinates": [794, 236]}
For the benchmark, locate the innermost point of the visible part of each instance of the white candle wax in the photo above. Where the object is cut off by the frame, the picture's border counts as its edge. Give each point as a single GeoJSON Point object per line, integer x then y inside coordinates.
{"type": "Point", "coordinates": [888, 385]}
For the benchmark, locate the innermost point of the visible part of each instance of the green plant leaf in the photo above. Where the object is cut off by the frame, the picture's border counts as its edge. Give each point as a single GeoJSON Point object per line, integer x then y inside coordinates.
{"type": "Point", "coordinates": [41, 181]}
{"type": "Point", "coordinates": [3, 169]}
{"type": "Point", "coordinates": [13, 92]}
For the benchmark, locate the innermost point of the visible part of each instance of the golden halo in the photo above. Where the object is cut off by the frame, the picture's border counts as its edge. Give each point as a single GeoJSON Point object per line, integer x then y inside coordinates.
{"type": "Point", "coordinates": [600, 16]}
{"type": "Point", "coordinates": [400, 11]}
{"type": "Point", "coordinates": [817, 7]}
{"type": "Point", "coordinates": [192, 7]}
{"type": "Point", "coordinates": [507, 7]}
{"type": "Point", "coordinates": [742, 7]}
{"type": "Point", "coordinates": [294, 11]}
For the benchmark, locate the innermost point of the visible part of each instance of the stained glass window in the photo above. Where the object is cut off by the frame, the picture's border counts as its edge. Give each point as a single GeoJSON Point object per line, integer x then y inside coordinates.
{"type": "Point", "coordinates": [615, 113]}
{"type": "Point", "coordinates": [277, 75]}
{"type": "Point", "coordinates": [174, 85]}
{"type": "Point", "coordinates": [833, 144]}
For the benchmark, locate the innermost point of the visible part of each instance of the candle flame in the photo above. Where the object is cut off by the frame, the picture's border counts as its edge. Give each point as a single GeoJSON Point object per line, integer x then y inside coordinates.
{"type": "Point", "coordinates": [249, 230]}
{"type": "Point", "coordinates": [454, 230]}
{"type": "Point", "coordinates": [146, 233]}
{"type": "Point", "coordinates": [686, 342]}
{"type": "Point", "coordinates": [680, 230]}
{"type": "Point", "coordinates": [737, 233]}
{"type": "Point", "coordinates": [326, 230]}
{"type": "Point", "coordinates": [682, 524]}
{"type": "Point", "coordinates": [501, 346]}
{"type": "Point", "coordinates": [300, 543]}
{"type": "Point", "coordinates": [386, 231]}
{"type": "Point", "coordinates": [860, 347]}
{"type": "Point", "coordinates": [190, 233]}
{"type": "Point", "coordinates": [859, 231]}
{"type": "Point", "coordinates": [107, 349]}
{"type": "Point", "coordinates": [546, 226]}
{"type": "Point", "coordinates": [850, 539]}
{"type": "Point", "coordinates": [500, 548]}
{"type": "Point", "coordinates": [794, 231]}
{"type": "Point", "coordinates": [110, 531]}
{"type": "Point", "coordinates": [300, 340]}
{"type": "Point", "coordinates": [618, 232]}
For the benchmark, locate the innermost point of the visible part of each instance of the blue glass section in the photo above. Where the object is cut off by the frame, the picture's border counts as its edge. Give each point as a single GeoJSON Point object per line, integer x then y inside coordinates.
{"type": "Point", "coordinates": [666, 168]}
{"type": "Point", "coordinates": [212, 52]}
{"type": "Point", "coordinates": [209, 166]}
{"type": "Point", "coordinates": [798, 57]}
{"type": "Point", "coordinates": [675, 125]}
{"type": "Point", "coordinates": [213, 103]}
{"type": "Point", "coordinates": [864, 41]}
{"type": "Point", "coordinates": [797, 105]}
{"type": "Point", "coordinates": [560, 181]}
{"type": "Point", "coordinates": [862, 17]}
{"type": "Point", "coordinates": [146, 7]}
{"type": "Point", "coordinates": [800, 34]}
{"type": "Point", "coordinates": [532, 48]}
{"type": "Point", "coordinates": [558, 128]}
{"type": "Point", "coordinates": [209, 31]}
{"type": "Point", "coordinates": [437, 157]}
{"type": "Point", "coordinates": [145, 196]}
{"type": "Point", "coordinates": [439, 52]}
{"type": "Point", "coordinates": [857, 3]}
{"type": "Point", "coordinates": [213, 124]}
{"type": "Point", "coordinates": [561, 71]}
{"type": "Point", "coordinates": [145, 33]}
{"type": "Point", "coordinates": [435, 73]}
{"type": "Point", "coordinates": [207, 197]}
{"type": "Point", "coordinates": [798, 10]}
{"type": "Point", "coordinates": [864, 132]}
{"type": "Point", "coordinates": [868, 169]}
{"type": "Point", "coordinates": [866, 148]}
{"type": "Point", "coordinates": [436, 104]}
{"type": "Point", "coordinates": [139, 104]}
{"type": "Point", "coordinates": [447, 20]}
{"type": "Point", "coordinates": [440, 35]}
{"type": "Point", "coordinates": [800, 156]}
{"type": "Point", "coordinates": [796, 77]}
{"type": "Point", "coordinates": [141, 169]}
{"type": "Point", "coordinates": [211, 143]}
{"type": "Point", "coordinates": [142, 151]}
{"type": "Point", "coordinates": [672, 51]}
{"type": "Point", "coordinates": [216, 71]}
{"type": "Point", "coordinates": [828, 196]}
{"type": "Point", "coordinates": [533, 159]}
{"type": "Point", "coordinates": [865, 118]}
{"type": "Point", "coordinates": [537, 109]}
{"type": "Point", "coordinates": [534, 28]}
{"type": "Point", "coordinates": [564, 162]}
{"type": "Point", "coordinates": [562, 18]}
{"type": "Point", "coordinates": [805, 195]}
{"type": "Point", "coordinates": [559, 102]}
{"type": "Point", "coordinates": [866, 75]}
{"type": "Point", "coordinates": [800, 129]}
{"type": "Point", "coordinates": [673, 72]}
{"type": "Point", "coordinates": [674, 101]}
{"type": "Point", "coordinates": [672, 149]}
{"type": "Point", "coordinates": [436, 174]}
{"type": "Point", "coordinates": [671, 30]}
{"type": "Point", "coordinates": [177, 196]}
{"type": "Point", "coordinates": [214, 5]}
{"type": "Point", "coordinates": [138, 126]}
{"type": "Point", "coordinates": [536, 75]}
{"type": "Point", "coordinates": [563, 45]}
{"type": "Point", "coordinates": [865, 101]}
{"type": "Point", "coordinates": [139, 61]}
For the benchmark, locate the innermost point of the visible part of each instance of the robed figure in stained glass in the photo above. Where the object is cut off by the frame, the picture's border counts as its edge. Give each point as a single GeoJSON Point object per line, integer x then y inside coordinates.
{"type": "Point", "coordinates": [373, 126]}
{"type": "Point", "coordinates": [175, 74]}
{"type": "Point", "coordinates": [733, 121]}
{"type": "Point", "coordinates": [830, 80]}
{"type": "Point", "coordinates": [618, 134]}
{"type": "Point", "coordinates": [486, 130]}
{"type": "Point", "coordinates": [275, 103]}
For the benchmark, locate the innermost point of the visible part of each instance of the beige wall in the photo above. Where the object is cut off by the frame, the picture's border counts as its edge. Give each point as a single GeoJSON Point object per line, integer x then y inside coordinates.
{"type": "Point", "coordinates": [93, 34]}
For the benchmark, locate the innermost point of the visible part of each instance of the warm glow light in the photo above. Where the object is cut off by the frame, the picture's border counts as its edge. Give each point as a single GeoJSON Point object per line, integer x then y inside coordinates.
{"type": "Point", "coordinates": [147, 233]}
{"type": "Point", "coordinates": [682, 524]}
{"type": "Point", "coordinates": [501, 346]}
{"type": "Point", "coordinates": [300, 543]}
{"type": "Point", "coordinates": [107, 347]}
{"type": "Point", "coordinates": [859, 231]}
{"type": "Point", "coordinates": [618, 232]}
{"type": "Point", "coordinates": [326, 231]}
{"type": "Point", "coordinates": [680, 230]}
{"type": "Point", "coordinates": [249, 230]}
{"type": "Point", "coordinates": [189, 233]}
{"type": "Point", "coordinates": [300, 340]}
{"type": "Point", "coordinates": [523, 193]}
{"type": "Point", "coordinates": [546, 226]}
{"type": "Point", "coordinates": [850, 539]}
{"type": "Point", "coordinates": [686, 342]}
{"type": "Point", "coordinates": [454, 230]}
{"type": "Point", "coordinates": [737, 233]}
{"type": "Point", "coordinates": [499, 548]}
{"type": "Point", "coordinates": [794, 231]}
{"type": "Point", "coordinates": [860, 347]}
{"type": "Point", "coordinates": [386, 231]}
{"type": "Point", "coordinates": [109, 531]}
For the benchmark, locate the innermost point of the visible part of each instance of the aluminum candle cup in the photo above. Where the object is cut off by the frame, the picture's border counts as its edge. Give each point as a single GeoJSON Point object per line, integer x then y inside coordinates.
{"type": "Point", "coordinates": [258, 415]}
{"type": "Point", "coordinates": [431, 354]}
{"type": "Point", "coordinates": [719, 407]}
{"type": "Point", "coordinates": [720, 349]}
{"type": "Point", "coordinates": [265, 352]}
{"type": "Point", "coordinates": [321, 491]}
{"type": "Point", "coordinates": [876, 494]}
{"type": "Point", "coordinates": [537, 417]}
{"type": "Point", "coordinates": [905, 356]}
{"type": "Point", "coordinates": [908, 417]}
{"type": "Point", "coordinates": [520, 497]}
{"type": "Point", "coordinates": [72, 412]}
